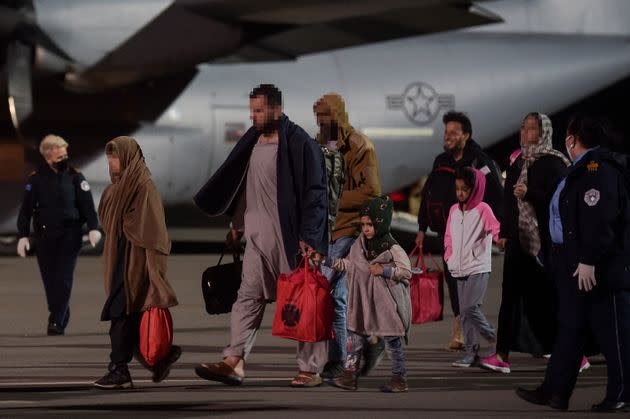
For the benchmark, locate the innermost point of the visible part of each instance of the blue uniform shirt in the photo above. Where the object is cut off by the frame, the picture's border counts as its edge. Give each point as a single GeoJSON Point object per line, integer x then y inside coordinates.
{"type": "Point", "coordinates": [555, 223]}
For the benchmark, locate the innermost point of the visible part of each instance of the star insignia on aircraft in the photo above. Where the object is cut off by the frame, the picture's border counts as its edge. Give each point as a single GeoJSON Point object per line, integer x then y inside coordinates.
{"type": "Point", "coordinates": [421, 102]}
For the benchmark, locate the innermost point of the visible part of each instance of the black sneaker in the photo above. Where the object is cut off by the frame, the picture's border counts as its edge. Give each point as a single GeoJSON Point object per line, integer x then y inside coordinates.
{"type": "Point", "coordinates": [117, 377]}
{"type": "Point", "coordinates": [373, 353]}
{"type": "Point", "coordinates": [162, 369]}
{"type": "Point", "coordinates": [332, 370]}
{"type": "Point", "coordinates": [54, 329]}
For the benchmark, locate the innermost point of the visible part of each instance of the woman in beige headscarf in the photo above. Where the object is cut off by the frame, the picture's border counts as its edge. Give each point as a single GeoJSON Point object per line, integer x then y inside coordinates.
{"type": "Point", "coordinates": [134, 258]}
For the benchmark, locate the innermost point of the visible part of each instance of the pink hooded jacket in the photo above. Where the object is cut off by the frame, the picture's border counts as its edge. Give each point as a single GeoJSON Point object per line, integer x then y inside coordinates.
{"type": "Point", "coordinates": [469, 234]}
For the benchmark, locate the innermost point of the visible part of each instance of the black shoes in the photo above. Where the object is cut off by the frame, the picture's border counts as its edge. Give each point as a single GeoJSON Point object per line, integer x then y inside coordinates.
{"type": "Point", "coordinates": [611, 406]}
{"type": "Point", "coordinates": [538, 396]}
{"type": "Point", "coordinates": [332, 370]}
{"type": "Point", "coordinates": [162, 369]}
{"type": "Point", "coordinates": [118, 377]}
{"type": "Point", "coordinates": [54, 329]}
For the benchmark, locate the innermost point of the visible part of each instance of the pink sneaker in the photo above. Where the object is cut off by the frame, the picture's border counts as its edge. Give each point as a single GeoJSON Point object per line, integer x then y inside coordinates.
{"type": "Point", "coordinates": [585, 364]}
{"type": "Point", "coordinates": [493, 363]}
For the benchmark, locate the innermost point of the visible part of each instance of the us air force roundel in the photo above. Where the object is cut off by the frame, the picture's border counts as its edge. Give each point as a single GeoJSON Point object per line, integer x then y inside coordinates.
{"type": "Point", "coordinates": [85, 186]}
{"type": "Point", "coordinates": [591, 197]}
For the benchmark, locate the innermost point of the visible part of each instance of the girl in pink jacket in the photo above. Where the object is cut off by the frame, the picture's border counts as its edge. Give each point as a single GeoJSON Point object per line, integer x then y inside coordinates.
{"type": "Point", "coordinates": [470, 230]}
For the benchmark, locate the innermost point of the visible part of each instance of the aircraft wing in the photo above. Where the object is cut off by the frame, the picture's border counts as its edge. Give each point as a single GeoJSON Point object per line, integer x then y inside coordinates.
{"type": "Point", "coordinates": [189, 32]}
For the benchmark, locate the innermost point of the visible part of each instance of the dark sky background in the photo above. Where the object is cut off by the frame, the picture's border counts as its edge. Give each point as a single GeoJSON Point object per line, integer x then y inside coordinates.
{"type": "Point", "coordinates": [611, 104]}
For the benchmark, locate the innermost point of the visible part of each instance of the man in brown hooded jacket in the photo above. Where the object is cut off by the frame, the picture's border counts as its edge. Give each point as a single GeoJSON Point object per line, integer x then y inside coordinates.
{"type": "Point", "coordinates": [362, 184]}
{"type": "Point", "coordinates": [134, 259]}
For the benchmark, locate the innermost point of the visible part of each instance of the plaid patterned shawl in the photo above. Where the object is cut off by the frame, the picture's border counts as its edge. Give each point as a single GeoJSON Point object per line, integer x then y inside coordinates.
{"type": "Point", "coordinates": [529, 234]}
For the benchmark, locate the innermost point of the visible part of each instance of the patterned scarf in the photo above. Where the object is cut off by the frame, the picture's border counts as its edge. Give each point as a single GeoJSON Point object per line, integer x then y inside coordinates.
{"type": "Point", "coordinates": [529, 234]}
{"type": "Point", "coordinates": [380, 211]}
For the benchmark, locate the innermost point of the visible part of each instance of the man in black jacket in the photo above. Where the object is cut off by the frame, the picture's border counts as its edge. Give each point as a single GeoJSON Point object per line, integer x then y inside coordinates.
{"type": "Point", "coordinates": [438, 195]}
{"type": "Point", "coordinates": [273, 184]}
{"type": "Point", "coordinates": [59, 200]}
{"type": "Point", "coordinates": [589, 226]}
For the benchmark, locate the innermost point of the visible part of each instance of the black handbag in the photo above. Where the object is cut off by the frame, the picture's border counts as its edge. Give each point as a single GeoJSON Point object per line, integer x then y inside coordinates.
{"type": "Point", "coordinates": [220, 284]}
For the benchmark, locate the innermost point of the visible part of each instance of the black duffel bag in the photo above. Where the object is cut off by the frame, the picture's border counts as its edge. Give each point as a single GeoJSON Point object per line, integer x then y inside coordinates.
{"type": "Point", "coordinates": [220, 284]}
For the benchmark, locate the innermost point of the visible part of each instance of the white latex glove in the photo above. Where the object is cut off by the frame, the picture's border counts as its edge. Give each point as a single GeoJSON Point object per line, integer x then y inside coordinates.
{"type": "Point", "coordinates": [95, 237]}
{"type": "Point", "coordinates": [586, 277]}
{"type": "Point", "coordinates": [23, 246]}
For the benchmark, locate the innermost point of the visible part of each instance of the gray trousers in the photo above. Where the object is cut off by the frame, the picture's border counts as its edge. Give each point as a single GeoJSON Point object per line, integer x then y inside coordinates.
{"type": "Point", "coordinates": [471, 291]}
{"type": "Point", "coordinates": [247, 315]}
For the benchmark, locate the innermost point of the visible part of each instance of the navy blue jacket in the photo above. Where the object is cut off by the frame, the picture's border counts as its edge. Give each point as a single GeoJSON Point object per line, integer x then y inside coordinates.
{"type": "Point", "coordinates": [302, 196]}
{"type": "Point", "coordinates": [595, 213]}
{"type": "Point", "coordinates": [56, 200]}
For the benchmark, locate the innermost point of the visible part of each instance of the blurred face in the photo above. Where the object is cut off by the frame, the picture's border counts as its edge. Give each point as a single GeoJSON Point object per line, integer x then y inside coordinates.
{"type": "Point", "coordinates": [462, 190]}
{"type": "Point", "coordinates": [57, 155]}
{"type": "Point", "coordinates": [114, 164]}
{"type": "Point", "coordinates": [530, 131]}
{"type": "Point", "coordinates": [325, 122]}
{"type": "Point", "coordinates": [367, 228]}
{"type": "Point", "coordinates": [522, 138]}
{"type": "Point", "coordinates": [454, 137]}
{"type": "Point", "coordinates": [323, 115]}
{"type": "Point", "coordinates": [265, 118]}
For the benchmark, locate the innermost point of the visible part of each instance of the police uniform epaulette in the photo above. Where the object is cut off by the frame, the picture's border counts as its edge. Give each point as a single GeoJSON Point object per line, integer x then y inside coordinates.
{"type": "Point", "coordinates": [75, 170]}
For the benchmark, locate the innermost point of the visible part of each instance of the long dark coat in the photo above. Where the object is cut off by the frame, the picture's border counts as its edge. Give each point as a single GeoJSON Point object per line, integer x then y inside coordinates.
{"type": "Point", "coordinates": [302, 197]}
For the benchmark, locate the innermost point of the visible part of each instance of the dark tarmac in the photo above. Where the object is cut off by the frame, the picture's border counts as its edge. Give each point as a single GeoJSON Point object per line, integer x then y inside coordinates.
{"type": "Point", "coordinates": [52, 377]}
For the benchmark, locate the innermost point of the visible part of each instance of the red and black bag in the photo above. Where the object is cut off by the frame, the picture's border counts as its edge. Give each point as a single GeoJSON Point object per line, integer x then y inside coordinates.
{"type": "Point", "coordinates": [156, 334]}
{"type": "Point", "coordinates": [424, 287]}
{"type": "Point", "coordinates": [304, 307]}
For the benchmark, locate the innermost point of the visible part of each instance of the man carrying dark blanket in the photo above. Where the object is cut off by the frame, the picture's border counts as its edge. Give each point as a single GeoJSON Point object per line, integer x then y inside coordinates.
{"type": "Point", "coordinates": [273, 185]}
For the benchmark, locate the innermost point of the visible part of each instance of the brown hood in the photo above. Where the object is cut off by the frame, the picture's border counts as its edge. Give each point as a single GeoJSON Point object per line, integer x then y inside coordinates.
{"type": "Point", "coordinates": [338, 111]}
{"type": "Point", "coordinates": [131, 207]}
{"type": "Point", "coordinates": [116, 202]}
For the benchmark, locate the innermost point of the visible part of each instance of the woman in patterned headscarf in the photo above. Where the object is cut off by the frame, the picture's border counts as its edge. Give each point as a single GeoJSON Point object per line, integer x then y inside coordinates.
{"type": "Point", "coordinates": [377, 274]}
{"type": "Point", "coordinates": [527, 316]}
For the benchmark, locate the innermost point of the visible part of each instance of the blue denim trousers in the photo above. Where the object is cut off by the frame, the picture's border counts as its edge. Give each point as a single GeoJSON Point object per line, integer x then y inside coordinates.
{"type": "Point", "coordinates": [393, 347]}
{"type": "Point", "coordinates": [337, 348]}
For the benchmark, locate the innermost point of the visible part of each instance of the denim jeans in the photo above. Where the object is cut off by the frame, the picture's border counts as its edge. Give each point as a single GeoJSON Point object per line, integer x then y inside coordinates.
{"type": "Point", "coordinates": [337, 348]}
{"type": "Point", "coordinates": [393, 347]}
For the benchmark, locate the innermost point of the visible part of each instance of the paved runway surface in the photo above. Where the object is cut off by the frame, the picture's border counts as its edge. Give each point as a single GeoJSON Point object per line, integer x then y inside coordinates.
{"type": "Point", "coordinates": [51, 377]}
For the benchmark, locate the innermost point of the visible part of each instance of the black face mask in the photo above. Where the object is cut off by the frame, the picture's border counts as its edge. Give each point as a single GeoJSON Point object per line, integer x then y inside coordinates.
{"type": "Point", "coordinates": [61, 166]}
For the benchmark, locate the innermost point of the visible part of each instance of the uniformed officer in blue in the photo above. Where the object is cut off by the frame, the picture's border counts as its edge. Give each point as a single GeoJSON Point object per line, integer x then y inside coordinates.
{"type": "Point", "coordinates": [590, 231]}
{"type": "Point", "coordinates": [58, 199]}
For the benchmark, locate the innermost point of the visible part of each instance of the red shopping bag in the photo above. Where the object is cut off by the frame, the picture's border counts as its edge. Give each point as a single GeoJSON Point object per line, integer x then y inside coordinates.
{"type": "Point", "coordinates": [304, 306]}
{"type": "Point", "coordinates": [156, 334]}
{"type": "Point", "coordinates": [424, 287]}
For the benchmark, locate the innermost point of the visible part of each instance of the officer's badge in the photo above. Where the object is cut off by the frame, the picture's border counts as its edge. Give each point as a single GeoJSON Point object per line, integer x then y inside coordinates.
{"type": "Point", "coordinates": [591, 197]}
{"type": "Point", "coordinates": [592, 166]}
{"type": "Point", "coordinates": [29, 187]}
{"type": "Point", "coordinates": [85, 186]}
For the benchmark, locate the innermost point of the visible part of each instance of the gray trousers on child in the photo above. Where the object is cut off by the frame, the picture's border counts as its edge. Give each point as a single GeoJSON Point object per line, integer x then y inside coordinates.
{"type": "Point", "coordinates": [471, 291]}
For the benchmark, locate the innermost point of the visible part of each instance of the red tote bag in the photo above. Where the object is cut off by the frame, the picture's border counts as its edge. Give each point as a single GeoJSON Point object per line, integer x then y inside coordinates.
{"type": "Point", "coordinates": [304, 306]}
{"type": "Point", "coordinates": [424, 287]}
{"type": "Point", "coordinates": [156, 334]}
